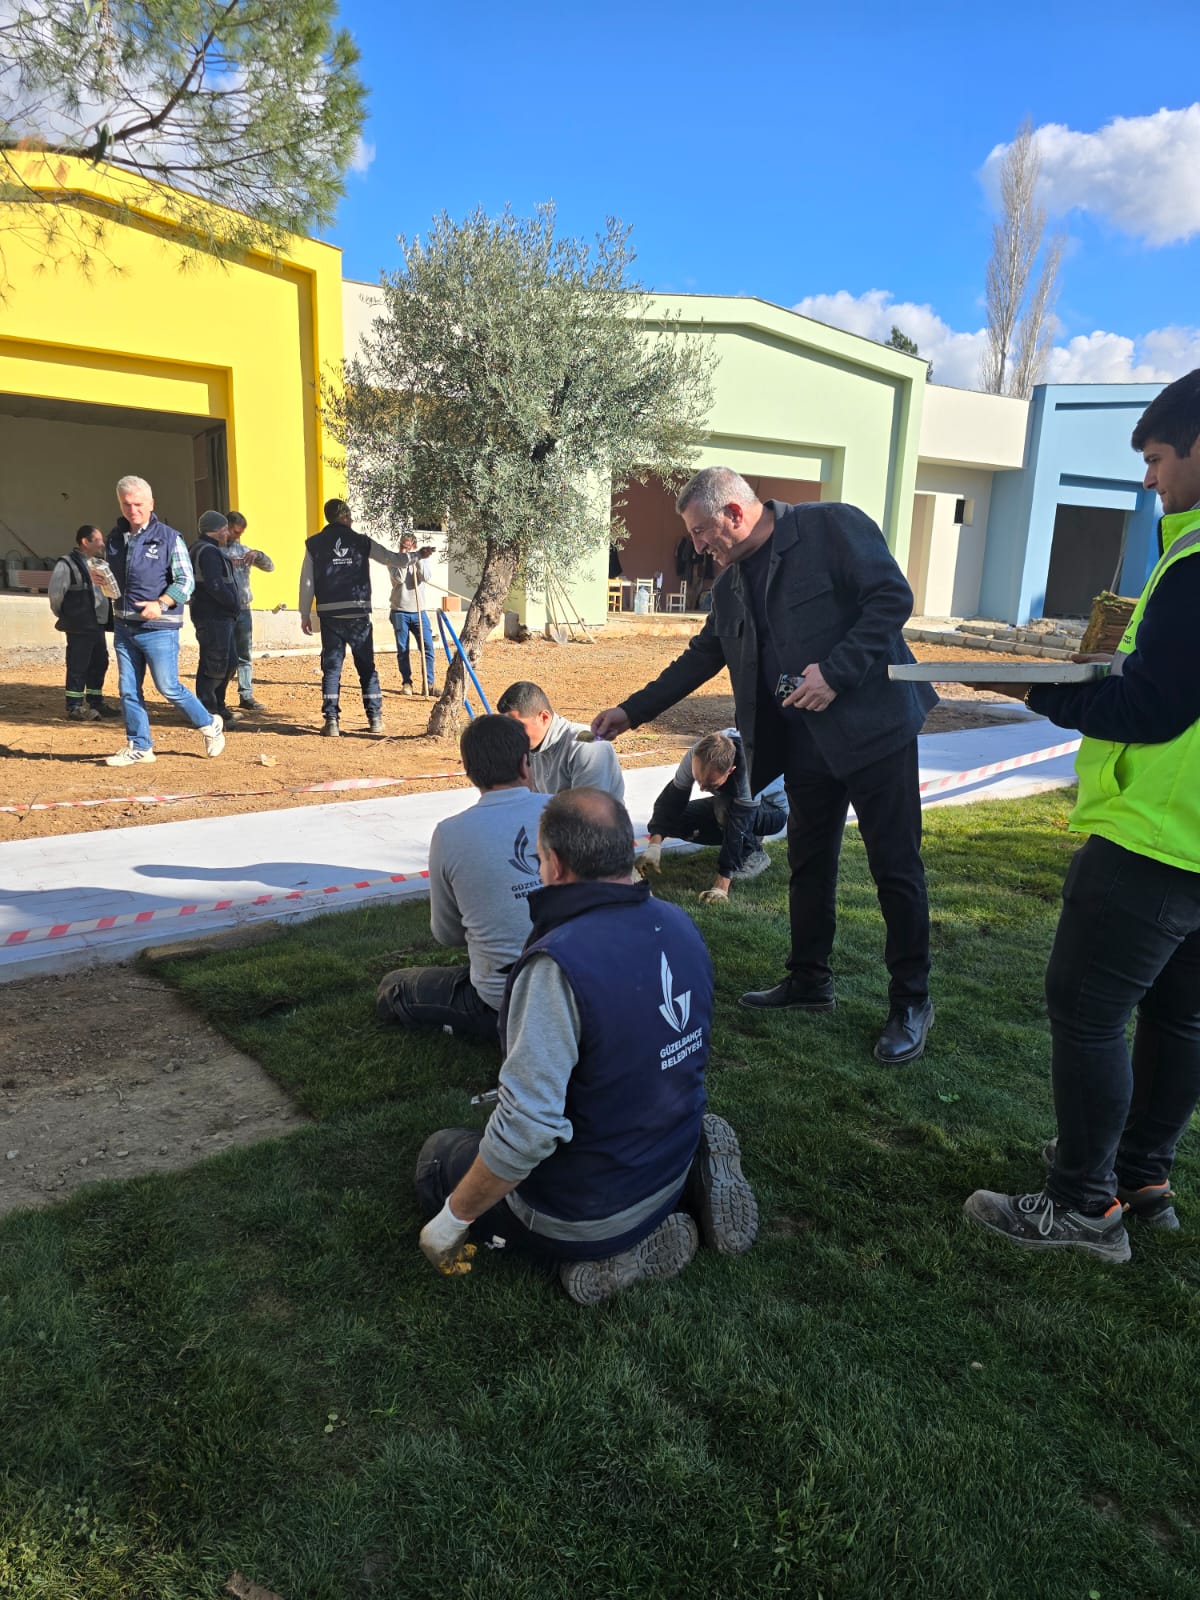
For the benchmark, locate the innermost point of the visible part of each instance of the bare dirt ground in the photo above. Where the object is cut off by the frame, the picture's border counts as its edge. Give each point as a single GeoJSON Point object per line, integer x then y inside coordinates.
{"type": "Point", "coordinates": [48, 759]}
{"type": "Point", "coordinates": [106, 1073]}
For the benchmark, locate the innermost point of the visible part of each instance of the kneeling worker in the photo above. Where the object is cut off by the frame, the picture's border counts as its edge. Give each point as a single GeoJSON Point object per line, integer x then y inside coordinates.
{"type": "Point", "coordinates": [733, 818]}
{"type": "Point", "coordinates": [564, 754]}
{"type": "Point", "coordinates": [599, 1159]}
{"type": "Point", "coordinates": [482, 868]}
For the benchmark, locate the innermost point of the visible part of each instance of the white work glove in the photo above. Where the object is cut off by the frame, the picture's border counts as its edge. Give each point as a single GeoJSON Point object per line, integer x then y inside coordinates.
{"type": "Point", "coordinates": [711, 896]}
{"type": "Point", "coordinates": [443, 1243]}
{"type": "Point", "coordinates": [651, 860]}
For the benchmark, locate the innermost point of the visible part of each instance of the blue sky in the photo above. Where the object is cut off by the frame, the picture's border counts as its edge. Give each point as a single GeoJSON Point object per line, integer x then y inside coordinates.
{"type": "Point", "coordinates": [810, 155]}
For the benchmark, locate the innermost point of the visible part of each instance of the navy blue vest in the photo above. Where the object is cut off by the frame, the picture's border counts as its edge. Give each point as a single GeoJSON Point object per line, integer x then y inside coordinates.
{"type": "Point", "coordinates": [642, 980]}
{"type": "Point", "coordinates": [215, 597]}
{"type": "Point", "coordinates": [142, 568]}
{"type": "Point", "coordinates": [341, 568]}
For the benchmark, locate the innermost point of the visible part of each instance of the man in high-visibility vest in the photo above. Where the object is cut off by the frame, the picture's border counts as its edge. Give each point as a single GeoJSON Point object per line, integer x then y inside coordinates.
{"type": "Point", "coordinates": [1129, 934]}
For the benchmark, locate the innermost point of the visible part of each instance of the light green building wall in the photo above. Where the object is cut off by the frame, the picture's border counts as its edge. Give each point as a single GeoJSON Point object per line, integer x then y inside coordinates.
{"type": "Point", "coordinates": [797, 399]}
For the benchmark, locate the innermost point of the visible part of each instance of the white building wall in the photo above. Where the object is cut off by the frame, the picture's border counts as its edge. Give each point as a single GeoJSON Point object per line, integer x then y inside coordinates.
{"type": "Point", "coordinates": [946, 558]}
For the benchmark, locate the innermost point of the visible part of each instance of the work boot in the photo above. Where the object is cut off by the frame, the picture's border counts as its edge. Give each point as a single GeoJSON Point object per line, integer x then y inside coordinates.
{"type": "Point", "coordinates": [235, 716]}
{"type": "Point", "coordinates": [82, 714]}
{"type": "Point", "coordinates": [790, 996]}
{"type": "Point", "coordinates": [661, 1254]}
{"type": "Point", "coordinates": [1036, 1222]}
{"type": "Point", "coordinates": [1151, 1204]}
{"type": "Point", "coordinates": [406, 688]}
{"type": "Point", "coordinates": [331, 729]}
{"type": "Point", "coordinates": [375, 722]}
{"type": "Point", "coordinates": [103, 709]}
{"type": "Point", "coordinates": [251, 704]}
{"type": "Point", "coordinates": [717, 1192]}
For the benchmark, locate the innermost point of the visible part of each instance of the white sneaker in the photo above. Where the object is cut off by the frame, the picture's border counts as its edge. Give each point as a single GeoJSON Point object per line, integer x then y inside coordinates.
{"type": "Point", "coordinates": [214, 737]}
{"type": "Point", "coordinates": [131, 756]}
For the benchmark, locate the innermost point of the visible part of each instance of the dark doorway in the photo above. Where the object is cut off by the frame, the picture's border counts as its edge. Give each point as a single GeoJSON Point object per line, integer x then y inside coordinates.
{"type": "Point", "coordinates": [1085, 558]}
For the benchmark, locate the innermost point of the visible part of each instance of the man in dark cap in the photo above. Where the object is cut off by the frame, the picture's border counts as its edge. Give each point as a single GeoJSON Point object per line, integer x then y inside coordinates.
{"type": "Point", "coordinates": [215, 606]}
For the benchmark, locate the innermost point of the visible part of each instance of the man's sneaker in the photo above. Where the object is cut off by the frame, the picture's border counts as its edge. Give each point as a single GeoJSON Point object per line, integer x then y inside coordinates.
{"type": "Point", "coordinates": [82, 714]}
{"type": "Point", "coordinates": [432, 692]}
{"type": "Point", "coordinates": [661, 1254]}
{"type": "Point", "coordinates": [252, 704]}
{"type": "Point", "coordinates": [406, 688]}
{"type": "Point", "coordinates": [375, 722]}
{"type": "Point", "coordinates": [103, 709]}
{"type": "Point", "coordinates": [214, 737]}
{"type": "Point", "coordinates": [331, 729]}
{"type": "Point", "coordinates": [1152, 1203]}
{"type": "Point", "coordinates": [717, 1192]}
{"type": "Point", "coordinates": [131, 756]}
{"type": "Point", "coordinates": [1037, 1223]}
{"type": "Point", "coordinates": [753, 865]}
{"type": "Point", "coordinates": [790, 996]}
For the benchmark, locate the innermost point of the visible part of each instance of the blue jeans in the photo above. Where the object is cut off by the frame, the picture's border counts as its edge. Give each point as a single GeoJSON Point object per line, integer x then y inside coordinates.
{"type": "Point", "coordinates": [409, 625]}
{"type": "Point", "coordinates": [1128, 939]}
{"type": "Point", "coordinates": [336, 634]}
{"type": "Point", "coordinates": [157, 648]}
{"type": "Point", "coordinates": [243, 638]}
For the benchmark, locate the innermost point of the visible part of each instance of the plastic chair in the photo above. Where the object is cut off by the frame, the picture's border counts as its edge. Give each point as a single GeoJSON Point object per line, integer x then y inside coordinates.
{"type": "Point", "coordinates": [677, 600]}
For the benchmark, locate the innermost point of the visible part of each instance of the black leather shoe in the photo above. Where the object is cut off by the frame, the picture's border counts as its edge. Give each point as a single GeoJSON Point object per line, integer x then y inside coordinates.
{"type": "Point", "coordinates": [331, 729]}
{"type": "Point", "coordinates": [903, 1038]}
{"type": "Point", "coordinates": [789, 996]}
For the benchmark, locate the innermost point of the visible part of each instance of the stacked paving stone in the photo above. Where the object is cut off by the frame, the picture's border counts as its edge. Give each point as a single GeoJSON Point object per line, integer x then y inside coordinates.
{"type": "Point", "coordinates": [1051, 640]}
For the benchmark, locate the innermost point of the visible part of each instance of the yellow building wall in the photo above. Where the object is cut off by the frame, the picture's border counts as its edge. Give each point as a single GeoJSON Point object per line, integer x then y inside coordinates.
{"type": "Point", "coordinates": [149, 327]}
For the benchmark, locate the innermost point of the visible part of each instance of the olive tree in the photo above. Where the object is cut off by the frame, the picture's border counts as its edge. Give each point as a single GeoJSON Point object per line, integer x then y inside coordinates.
{"type": "Point", "coordinates": [511, 378]}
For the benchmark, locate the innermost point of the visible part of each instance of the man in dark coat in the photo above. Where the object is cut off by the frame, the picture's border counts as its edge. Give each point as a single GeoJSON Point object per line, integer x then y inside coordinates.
{"type": "Point", "coordinates": [84, 614]}
{"type": "Point", "coordinates": [807, 615]}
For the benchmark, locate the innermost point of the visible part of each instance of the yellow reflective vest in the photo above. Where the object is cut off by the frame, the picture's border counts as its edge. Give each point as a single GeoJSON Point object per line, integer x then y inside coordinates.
{"type": "Point", "coordinates": [1146, 797]}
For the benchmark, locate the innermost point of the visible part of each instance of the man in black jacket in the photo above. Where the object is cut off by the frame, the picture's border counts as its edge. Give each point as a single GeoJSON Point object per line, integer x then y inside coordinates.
{"type": "Point", "coordinates": [84, 614]}
{"type": "Point", "coordinates": [807, 615]}
{"type": "Point", "coordinates": [215, 604]}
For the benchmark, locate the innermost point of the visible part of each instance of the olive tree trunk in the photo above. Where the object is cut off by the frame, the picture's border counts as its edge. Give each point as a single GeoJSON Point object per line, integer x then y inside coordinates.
{"type": "Point", "coordinates": [485, 610]}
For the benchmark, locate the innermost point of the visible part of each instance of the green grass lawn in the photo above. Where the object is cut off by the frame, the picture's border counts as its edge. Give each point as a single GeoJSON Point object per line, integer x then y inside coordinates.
{"type": "Point", "coordinates": [249, 1365]}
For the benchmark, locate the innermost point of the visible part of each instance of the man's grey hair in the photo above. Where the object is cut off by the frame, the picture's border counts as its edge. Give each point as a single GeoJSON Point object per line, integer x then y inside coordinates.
{"type": "Point", "coordinates": [126, 485]}
{"type": "Point", "coordinates": [714, 487]}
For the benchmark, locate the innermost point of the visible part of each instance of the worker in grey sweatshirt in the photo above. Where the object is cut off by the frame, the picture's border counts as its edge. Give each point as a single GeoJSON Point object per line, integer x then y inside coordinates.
{"type": "Point", "coordinates": [564, 754]}
{"type": "Point", "coordinates": [482, 868]}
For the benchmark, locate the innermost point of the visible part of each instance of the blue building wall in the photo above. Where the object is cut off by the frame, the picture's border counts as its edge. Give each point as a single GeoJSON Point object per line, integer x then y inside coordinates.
{"type": "Point", "coordinates": [1077, 453]}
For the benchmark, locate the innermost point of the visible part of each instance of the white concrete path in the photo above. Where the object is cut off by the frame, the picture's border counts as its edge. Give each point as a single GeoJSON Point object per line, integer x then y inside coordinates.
{"type": "Point", "coordinates": [160, 882]}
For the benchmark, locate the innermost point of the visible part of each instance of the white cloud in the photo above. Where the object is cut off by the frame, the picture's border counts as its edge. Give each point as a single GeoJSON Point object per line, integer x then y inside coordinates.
{"type": "Point", "coordinates": [955, 356]}
{"type": "Point", "coordinates": [1142, 174]}
{"type": "Point", "coordinates": [1099, 357]}
{"type": "Point", "coordinates": [364, 154]}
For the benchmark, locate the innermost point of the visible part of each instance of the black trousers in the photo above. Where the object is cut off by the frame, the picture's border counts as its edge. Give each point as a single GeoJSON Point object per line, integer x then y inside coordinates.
{"type": "Point", "coordinates": [338, 633]}
{"type": "Point", "coordinates": [435, 997]}
{"type": "Point", "coordinates": [87, 665]}
{"type": "Point", "coordinates": [218, 661]}
{"type": "Point", "coordinates": [1128, 940]}
{"type": "Point", "coordinates": [887, 803]}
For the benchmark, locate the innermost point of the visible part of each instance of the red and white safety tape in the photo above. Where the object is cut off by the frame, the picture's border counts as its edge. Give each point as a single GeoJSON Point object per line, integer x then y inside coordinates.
{"type": "Point", "coordinates": [137, 919]}
{"type": "Point", "coordinates": [958, 780]}
{"type": "Point", "coordinates": [129, 919]}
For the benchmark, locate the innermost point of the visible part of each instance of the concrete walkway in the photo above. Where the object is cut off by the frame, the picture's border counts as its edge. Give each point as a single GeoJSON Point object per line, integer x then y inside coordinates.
{"type": "Point", "coordinates": [74, 900]}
